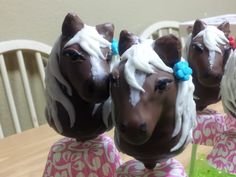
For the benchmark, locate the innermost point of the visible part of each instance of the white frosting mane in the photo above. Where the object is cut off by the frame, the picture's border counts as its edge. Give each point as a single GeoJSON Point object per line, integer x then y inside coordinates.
{"type": "Point", "coordinates": [92, 42]}
{"type": "Point", "coordinates": [54, 92]}
{"type": "Point", "coordinates": [228, 85]}
{"type": "Point", "coordinates": [143, 58]}
{"type": "Point", "coordinates": [212, 38]}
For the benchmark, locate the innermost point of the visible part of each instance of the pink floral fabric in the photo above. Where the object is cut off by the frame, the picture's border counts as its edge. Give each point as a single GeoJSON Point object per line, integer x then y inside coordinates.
{"type": "Point", "coordinates": [209, 124]}
{"type": "Point", "coordinates": [217, 130]}
{"type": "Point", "coordinates": [93, 158]}
{"type": "Point", "coordinates": [134, 168]}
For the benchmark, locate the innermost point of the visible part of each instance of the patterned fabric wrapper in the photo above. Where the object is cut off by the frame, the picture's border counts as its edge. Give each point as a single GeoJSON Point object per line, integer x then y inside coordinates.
{"type": "Point", "coordinates": [209, 124]}
{"type": "Point", "coordinates": [92, 158]}
{"type": "Point", "coordinates": [134, 168]}
{"type": "Point", "coordinates": [218, 130]}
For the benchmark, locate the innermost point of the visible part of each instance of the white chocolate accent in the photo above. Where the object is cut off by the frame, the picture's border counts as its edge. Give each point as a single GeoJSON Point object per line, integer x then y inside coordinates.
{"type": "Point", "coordinates": [185, 113]}
{"type": "Point", "coordinates": [106, 112]}
{"type": "Point", "coordinates": [212, 57]}
{"type": "Point", "coordinates": [92, 42]}
{"type": "Point", "coordinates": [228, 85]}
{"type": "Point", "coordinates": [141, 57]}
{"type": "Point", "coordinates": [134, 93]}
{"type": "Point", "coordinates": [212, 38]}
{"type": "Point", "coordinates": [53, 91]}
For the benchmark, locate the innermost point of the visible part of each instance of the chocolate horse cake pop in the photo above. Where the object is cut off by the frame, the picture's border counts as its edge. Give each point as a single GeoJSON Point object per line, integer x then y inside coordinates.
{"type": "Point", "coordinates": [153, 109]}
{"type": "Point", "coordinates": [207, 51]}
{"type": "Point", "coordinates": [77, 79]}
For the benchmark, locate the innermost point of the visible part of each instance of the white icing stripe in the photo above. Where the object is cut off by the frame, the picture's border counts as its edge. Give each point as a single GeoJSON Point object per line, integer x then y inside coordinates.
{"type": "Point", "coordinates": [98, 72]}
{"type": "Point", "coordinates": [228, 85]}
{"type": "Point", "coordinates": [185, 112]}
{"type": "Point", "coordinates": [106, 112]}
{"type": "Point", "coordinates": [53, 90]}
{"type": "Point", "coordinates": [134, 93]}
{"type": "Point", "coordinates": [212, 56]}
{"type": "Point", "coordinates": [53, 65]}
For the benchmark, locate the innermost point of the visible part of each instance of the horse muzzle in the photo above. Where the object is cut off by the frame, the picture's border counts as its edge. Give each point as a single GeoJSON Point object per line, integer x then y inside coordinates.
{"type": "Point", "coordinates": [96, 91]}
{"type": "Point", "coordinates": [136, 135]}
{"type": "Point", "coordinates": [210, 79]}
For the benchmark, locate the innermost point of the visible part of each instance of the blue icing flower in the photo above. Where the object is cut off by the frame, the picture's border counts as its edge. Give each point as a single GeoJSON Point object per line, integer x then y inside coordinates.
{"type": "Point", "coordinates": [182, 70]}
{"type": "Point", "coordinates": [114, 47]}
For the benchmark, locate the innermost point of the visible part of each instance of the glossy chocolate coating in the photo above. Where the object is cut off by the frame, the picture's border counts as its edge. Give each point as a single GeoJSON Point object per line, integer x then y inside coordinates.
{"type": "Point", "coordinates": [145, 131]}
{"type": "Point", "coordinates": [205, 78]}
{"type": "Point", "coordinates": [86, 91]}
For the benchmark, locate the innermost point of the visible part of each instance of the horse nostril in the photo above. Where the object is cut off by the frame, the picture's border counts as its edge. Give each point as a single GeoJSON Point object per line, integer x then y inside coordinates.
{"type": "Point", "coordinates": [219, 77]}
{"type": "Point", "coordinates": [122, 127]}
{"type": "Point", "coordinates": [91, 87]}
{"type": "Point", "coordinates": [143, 127]}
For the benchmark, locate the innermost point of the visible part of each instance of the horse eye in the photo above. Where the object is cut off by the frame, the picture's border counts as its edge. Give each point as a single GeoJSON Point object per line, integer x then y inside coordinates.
{"type": "Point", "coordinates": [198, 47]}
{"type": "Point", "coordinates": [162, 84]}
{"type": "Point", "coordinates": [109, 56]}
{"type": "Point", "coordinates": [73, 54]}
{"type": "Point", "coordinates": [227, 47]}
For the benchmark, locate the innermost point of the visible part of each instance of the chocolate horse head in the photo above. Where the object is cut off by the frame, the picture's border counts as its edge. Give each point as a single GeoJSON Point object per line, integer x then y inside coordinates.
{"type": "Point", "coordinates": [77, 79]}
{"type": "Point", "coordinates": [207, 53]}
{"type": "Point", "coordinates": [153, 111]}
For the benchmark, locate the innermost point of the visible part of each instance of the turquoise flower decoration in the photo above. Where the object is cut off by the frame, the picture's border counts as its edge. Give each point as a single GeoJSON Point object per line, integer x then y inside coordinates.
{"type": "Point", "coordinates": [182, 71]}
{"type": "Point", "coordinates": [114, 47]}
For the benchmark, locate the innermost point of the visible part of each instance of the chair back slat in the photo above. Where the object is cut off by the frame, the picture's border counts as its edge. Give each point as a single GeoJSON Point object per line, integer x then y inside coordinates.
{"type": "Point", "coordinates": [162, 28]}
{"type": "Point", "coordinates": [27, 89]}
{"type": "Point", "coordinates": [40, 66]}
{"type": "Point", "coordinates": [22, 65]}
{"type": "Point", "coordinates": [170, 30]}
{"type": "Point", "coordinates": [9, 95]}
{"type": "Point", "coordinates": [1, 132]}
{"type": "Point", "coordinates": [160, 33]}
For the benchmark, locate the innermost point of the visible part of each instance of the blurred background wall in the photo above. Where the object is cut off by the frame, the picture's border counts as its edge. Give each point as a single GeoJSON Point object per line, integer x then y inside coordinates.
{"type": "Point", "coordinates": [41, 20]}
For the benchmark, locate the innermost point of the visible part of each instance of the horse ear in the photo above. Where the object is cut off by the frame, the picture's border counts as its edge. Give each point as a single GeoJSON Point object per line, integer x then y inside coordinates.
{"type": "Point", "coordinates": [197, 27]}
{"type": "Point", "coordinates": [169, 49]}
{"type": "Point", "coordinates": [225, 27]}
{"type": "Point", "coordinates": [126, 40]}
{"type": "Point", "coordinates": [107, 30]}
{"type": "Point", "coordinates": [71, 25]}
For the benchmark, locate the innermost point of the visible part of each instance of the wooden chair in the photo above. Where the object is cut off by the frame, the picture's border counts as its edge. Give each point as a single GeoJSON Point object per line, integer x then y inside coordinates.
{"type": "Point", "coordinates": [22, 76]}
{"type": "Point", "coordinates": [162, 28]}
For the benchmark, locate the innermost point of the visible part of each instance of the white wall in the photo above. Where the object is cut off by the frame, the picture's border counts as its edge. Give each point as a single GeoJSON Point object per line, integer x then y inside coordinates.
{"type": "Point", "coordinates": [41, 20]}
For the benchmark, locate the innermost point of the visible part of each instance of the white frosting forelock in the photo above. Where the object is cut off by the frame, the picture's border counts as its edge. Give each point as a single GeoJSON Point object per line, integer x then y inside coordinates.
{"type": "Point", "coordinates": [92, 42]}
{"type": "Point", "coordinates": [141, 57]}
{"type": "Point", "coordinates": [212, 38]}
